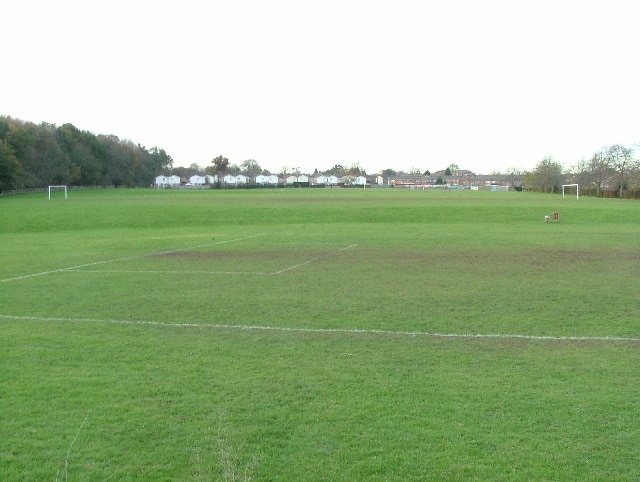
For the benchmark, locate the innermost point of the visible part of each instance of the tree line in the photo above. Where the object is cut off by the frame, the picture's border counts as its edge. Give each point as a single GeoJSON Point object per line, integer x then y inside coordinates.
{"type": "Point", "coordinates": [220, 166]}
{"type": "Point", "coordinates": [38, 155]}
{"type": "Point", "coordinates": [612, 168]}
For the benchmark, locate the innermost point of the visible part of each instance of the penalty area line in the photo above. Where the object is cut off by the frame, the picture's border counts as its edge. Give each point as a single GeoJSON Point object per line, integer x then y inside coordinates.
{"type": "Point", "coordinates": [173, 272]}
{"type": "Point", "coordinates": [126, 258]}
{"type": "Point", "coordinates": [177, 272]}
{"type": "Point", "coordinates": [347, 331]}
{"type": "Point", "coordinates": [315, 259]}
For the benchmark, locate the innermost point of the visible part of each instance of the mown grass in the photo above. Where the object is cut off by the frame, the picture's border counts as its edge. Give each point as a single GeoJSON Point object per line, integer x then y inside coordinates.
{"type": "Point", "coordinates": [146, 361]}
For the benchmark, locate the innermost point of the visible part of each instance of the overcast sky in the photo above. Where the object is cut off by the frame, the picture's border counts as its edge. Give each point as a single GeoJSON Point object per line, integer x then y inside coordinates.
{"type": "Point", "coordinates": [400, 84]}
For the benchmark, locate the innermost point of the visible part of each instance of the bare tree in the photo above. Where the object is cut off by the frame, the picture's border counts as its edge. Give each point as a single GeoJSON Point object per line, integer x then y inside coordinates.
{"type": "Point", "coordinates": [599, 168]}
{"type": "Point", "coordinates": [593, 172]}
{"type": "Point", "coordinates": [622, 162]}
{"type": "Point", "coordinates": [548, 175]}
{"type": "Point", "coordinates": [515, 176]}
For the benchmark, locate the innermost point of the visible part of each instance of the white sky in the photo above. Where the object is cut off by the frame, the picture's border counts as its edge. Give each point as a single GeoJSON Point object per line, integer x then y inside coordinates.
{"type": "Point", "coordinates": [487, 85]}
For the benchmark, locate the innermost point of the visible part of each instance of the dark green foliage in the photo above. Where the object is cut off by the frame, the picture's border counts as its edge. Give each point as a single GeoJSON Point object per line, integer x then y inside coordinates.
{"type": "Point", "coordinates": [39, 155]}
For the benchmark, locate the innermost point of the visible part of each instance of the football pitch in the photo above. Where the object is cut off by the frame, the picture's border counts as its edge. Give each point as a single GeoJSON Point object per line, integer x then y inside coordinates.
{"type": "Point", "coordinates": [318, 334]}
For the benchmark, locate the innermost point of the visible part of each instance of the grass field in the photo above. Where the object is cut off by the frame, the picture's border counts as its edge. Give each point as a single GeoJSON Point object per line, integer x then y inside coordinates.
{"type": "Point", "coordinates": [331, 334]}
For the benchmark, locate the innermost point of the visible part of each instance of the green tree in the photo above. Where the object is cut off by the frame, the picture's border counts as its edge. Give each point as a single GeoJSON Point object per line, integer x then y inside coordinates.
{"type": "Point", "coordinates": [250, 168]}
{"type": "Point", "coordinates": [4, 128]}
{"type": "Point", "coordinates": [47, 154]}
{"type": "Point", "coordinates": [548, 175]}
{"type": "Point", "coordinates": [337, 170]}
{"type": "Point", "coordinates": [118, 168]}
{"type": "Point", "coordinates": [9, 168]}
{"type": "Point", "coordinates": [79, 147]}
{"type": "Point", "coordinates": [220, 166]}
{"type": "Point", "coordinates": [356, 170]}
{"type": "Point", "coordinates": [159, 161]}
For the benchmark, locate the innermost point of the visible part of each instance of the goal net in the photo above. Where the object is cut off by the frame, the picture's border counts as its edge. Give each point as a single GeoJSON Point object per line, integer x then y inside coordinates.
{"type": "Point", "coordinates": [568, 189]}
{"type": "Point", "coordinates": [54, 189]}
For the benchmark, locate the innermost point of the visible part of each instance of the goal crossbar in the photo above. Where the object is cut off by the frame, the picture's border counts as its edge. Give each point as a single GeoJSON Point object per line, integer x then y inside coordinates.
{"type": "Point", "coordinates": [571, 185]}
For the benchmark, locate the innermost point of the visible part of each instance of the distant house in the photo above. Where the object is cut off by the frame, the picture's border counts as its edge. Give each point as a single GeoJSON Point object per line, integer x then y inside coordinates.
{"type": "Point", "coordinates": [325, 180]}
{"type": "Point", "coordinates": [353, 181]}
{"type": "Point", "coordinates": [271, 179]}
{"type": "Point", "coordinates": [235, 180]}
{"type": "Point", "coordinates": [297, 180]}
{"type": "Point", "coordinates": [321, 179]}
{"type": "Point", "coordinates": [197, 180]}
{"type": "Point", "coordinates": [167, 181]}
{"type": "Point", "coordinates": [209, 179]}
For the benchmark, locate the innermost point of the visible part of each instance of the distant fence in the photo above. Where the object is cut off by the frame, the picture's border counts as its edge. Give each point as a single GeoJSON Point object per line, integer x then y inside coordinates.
{"type": "Point", "coordinates": [15, 192]}
{"type": "Point", "coordinates": [605, 193]}
{"type": "Point", "coordinates": [611, 193]}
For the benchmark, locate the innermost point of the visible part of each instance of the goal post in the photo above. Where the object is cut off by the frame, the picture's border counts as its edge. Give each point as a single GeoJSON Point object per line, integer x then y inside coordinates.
{"type": "Point", "coordinates": [58, 188]}
{"type": "Point", "coordinates": [571, 185]}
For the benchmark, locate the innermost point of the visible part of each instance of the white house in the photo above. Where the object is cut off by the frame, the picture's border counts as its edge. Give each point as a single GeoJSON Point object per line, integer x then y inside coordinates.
{"type": "Point", "coordinates": [326, 180]}
{"type": "Point", "coordinates": [303, 178]}
{"type": "Point", "coordinates": [271, 179]}
{"type": "Point", "coordinates": [231, 179]}
{"type": "Point", "coordinates": [320, 179]}
{"type": "Point", "coordinates": [167, 181]}
{"type": "Point", "coordinates": [197, 180]}
{"type": "Point", "coordinates": [360, 181]}
{"type": "Point", "coordinates": [211, 179]}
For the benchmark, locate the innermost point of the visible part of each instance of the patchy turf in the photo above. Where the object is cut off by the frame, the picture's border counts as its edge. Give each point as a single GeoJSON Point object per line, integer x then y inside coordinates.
{"type": "Point", "coordinates": [353, 335]}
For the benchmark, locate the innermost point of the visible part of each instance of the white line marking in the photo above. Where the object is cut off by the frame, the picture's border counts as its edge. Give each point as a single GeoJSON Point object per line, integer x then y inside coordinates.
{"type": "Point", "coordinates": [328, 330]}
{"type": "Point", "coordinates": [78, 269]}
{"type": "Point", "coordinates": [71, 268]}
{"type": "Point", "coordinates": [168, 271]}
{"type": "Point", "coordinates": [315, 259]}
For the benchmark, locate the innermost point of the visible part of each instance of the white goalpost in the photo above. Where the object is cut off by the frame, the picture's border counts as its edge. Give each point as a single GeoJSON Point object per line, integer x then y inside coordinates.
{"type": "Point", "coordinates": [571, 185]}
{"type": "Point", "coordinates": [58, 188]}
